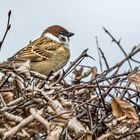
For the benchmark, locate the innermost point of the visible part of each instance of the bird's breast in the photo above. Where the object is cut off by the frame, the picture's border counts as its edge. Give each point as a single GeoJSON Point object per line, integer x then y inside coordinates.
{"type": "Point", "coordinates": [61, 57]}
{"type": "Point", "coordinates": [58, 60]}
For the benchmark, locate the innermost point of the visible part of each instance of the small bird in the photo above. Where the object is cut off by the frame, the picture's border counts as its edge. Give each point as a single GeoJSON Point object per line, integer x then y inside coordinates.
{"type": "Point", "coordinates": [48, 53]}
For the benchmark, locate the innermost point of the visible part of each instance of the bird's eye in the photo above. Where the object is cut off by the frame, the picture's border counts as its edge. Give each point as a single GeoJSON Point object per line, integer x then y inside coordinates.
{"type": "Point", "coordinates": [63, 39]}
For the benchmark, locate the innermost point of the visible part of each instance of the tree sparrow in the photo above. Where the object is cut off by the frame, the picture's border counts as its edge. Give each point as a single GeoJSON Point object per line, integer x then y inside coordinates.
{"type": "Point", "coordinates": [48, 53]}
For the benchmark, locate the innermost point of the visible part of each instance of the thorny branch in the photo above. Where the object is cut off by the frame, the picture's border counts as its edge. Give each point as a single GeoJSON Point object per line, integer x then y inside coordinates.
{"type": "Point", "coordinates": [100, 61]}
{"type": "Point", "coordinates": [118, 43]}
{"type": "Point", "coordinates": [7, 29]}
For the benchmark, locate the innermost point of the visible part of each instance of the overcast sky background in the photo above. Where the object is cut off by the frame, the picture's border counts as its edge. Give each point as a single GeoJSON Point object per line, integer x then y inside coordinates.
{"type": "Point", "coordinates": [83, 17]}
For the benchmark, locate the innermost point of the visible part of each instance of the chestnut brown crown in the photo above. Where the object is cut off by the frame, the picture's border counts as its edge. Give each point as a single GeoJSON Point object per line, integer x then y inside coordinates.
{"type": "Point", "coordinates": [57, 30]}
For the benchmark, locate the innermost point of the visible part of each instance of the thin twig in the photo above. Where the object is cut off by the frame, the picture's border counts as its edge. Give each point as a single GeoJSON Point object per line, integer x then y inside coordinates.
{"type": "Point", "coordinates": [118, 43]}
{"type": "Point", "coordinates": [100, 61]}
{"type": "Point", "coordinates": [7, 29]}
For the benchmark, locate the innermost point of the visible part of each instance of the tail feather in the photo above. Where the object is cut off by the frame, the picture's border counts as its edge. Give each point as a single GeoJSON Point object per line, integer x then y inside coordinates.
{"type": "Point", "coordinates": [10, 65]}
{"type": "Point", "coordinates": [6, 65]}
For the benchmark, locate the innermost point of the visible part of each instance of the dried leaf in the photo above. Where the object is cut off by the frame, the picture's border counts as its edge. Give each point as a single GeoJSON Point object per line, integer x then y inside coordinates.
{"type": "Point", "coordinates": [25, 70]}
{"type": "Point", "coordinates": [8, 96]}
{"type": "Point", "coordinates": [94, 73]}
{"type": "Point", "coordinates": [77, 74]}
{"type": "Point", "coordinates": [75, 127]}
{"type": "Point", "coordinates": [86, 73]}
{"type": "Point", "coordinates": [55, 133]}
{"type": "Point", "coordinates": [135, 79]}
{"type": "Point", "coordinates": [65, 103]}
{"type": "Point", "coordinates": [121, 108]}
{"type": "Point", "coordinates": [53, 78]}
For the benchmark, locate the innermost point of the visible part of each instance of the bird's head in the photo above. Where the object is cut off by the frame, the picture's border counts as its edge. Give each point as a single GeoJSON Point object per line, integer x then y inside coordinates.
{"type": "Point", "coordinates": [58, 33]}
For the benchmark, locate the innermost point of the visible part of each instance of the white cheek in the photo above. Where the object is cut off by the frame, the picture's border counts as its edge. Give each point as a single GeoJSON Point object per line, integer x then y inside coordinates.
{"type": "Point", "coordinates": [51, 36]}
{"type": "Point", "coordinates": [66, 42]}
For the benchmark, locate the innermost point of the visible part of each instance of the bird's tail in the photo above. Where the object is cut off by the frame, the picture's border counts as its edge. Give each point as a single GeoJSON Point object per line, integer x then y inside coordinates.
{"type": "Point", "coordinates": [6, 65]}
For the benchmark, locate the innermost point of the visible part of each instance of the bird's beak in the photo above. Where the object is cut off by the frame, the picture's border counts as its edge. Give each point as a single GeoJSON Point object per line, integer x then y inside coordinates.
{"type": "Point", "coordinates": [69, 34]}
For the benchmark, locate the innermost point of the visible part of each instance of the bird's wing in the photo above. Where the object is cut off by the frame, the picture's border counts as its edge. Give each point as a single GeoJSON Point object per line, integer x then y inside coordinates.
{"type": "Point", "coordinates": [39, 50]}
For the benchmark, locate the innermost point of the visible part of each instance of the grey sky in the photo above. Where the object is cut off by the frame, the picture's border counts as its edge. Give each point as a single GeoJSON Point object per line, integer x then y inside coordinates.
{"type": "Point", "coordinates": [83, 17]}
